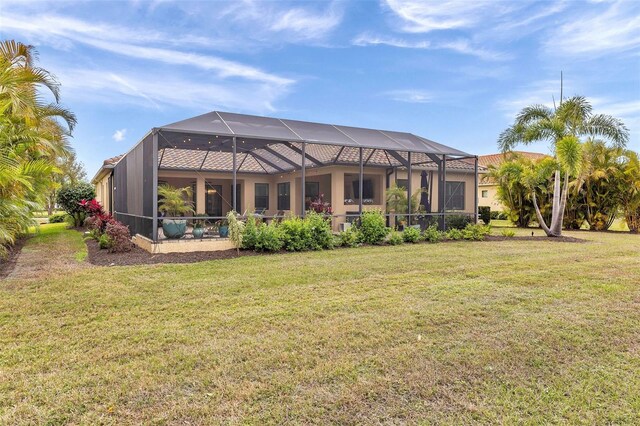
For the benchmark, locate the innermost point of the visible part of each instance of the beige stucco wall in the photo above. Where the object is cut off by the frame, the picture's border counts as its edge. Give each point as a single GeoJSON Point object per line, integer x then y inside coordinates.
{"type": "Point", "coordinates": [103, 192]}
{"type": "Point", "coordinates": [491, 199]}
{"type": "Point", "coordinates": [332, 184]}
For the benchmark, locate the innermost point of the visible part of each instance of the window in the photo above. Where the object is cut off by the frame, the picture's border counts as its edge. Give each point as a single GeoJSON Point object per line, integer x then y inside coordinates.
{"type": "Point", "coordinates": [370, 189]}
{"type": "Point", "coordinates": [402, 183]}
{"type": "Point", "coordinates": [485, 193]}
{"type": "Point", "coordinates": [454, 195]}
{"type": "Point", "coordinates": [284, 196]}
{"type": "Point", "coordinates": [262, 197]}
{"type": "Point", "coordinates": [312, 190]}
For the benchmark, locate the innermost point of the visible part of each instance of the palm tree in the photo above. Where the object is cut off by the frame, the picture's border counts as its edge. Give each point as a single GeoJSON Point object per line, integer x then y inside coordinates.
{"type": "Point", "coordinates": [563, 127]}
{"type": "Point", "coordinates": [31, 138]}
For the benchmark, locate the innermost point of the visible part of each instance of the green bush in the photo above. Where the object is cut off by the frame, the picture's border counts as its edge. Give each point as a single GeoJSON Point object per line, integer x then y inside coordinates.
{"type": "Point", "coordinates": [295, 234]}
{"type": "Point", "coordinates": [59, 217]}
{"type": "Point", "coordinates": [269, 237]}
{"type": "Point", "coordinates": [104, 241]}
{"type": "Point", "coordinates": [432, 234]}
{"type": "Point", "coordinates": [476, 232]}
{"type": "Point", "coordinates": [485, 214]}
{"type": "Point", "coordinates": [395, 238]}
{"type": "Point", "coordinates": [319, 231]}
{"type": "Point", "coordinates": [509, 233]}
{"type": "Point", "coordinates": [372, 229]}
{"type": "Point", "coordinates": [454, 234]}
{"type": "Point", "coordinates": [250, 233]}
{"type": "Point", "coordinates": [411, 235]}
{"type": "Point", "coordinates": [458, 221]}
{"type": "Point", "coordinates": [69, 198]}
{"type": "Point", "coordinates": [349, 238]}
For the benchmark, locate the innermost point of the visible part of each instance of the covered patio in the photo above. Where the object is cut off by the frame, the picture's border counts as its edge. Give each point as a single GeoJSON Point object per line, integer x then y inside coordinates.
{"type": "Point", "coordinates": [273, 167]}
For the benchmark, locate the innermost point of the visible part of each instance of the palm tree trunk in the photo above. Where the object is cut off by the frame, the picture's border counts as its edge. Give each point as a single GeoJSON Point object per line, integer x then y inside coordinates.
{"type": "Point", "coordinates": [543, 225]}
{"type": "Point", "coordinates": [559, 214]}
{"type": "Point", "coordinates": [556, 201]}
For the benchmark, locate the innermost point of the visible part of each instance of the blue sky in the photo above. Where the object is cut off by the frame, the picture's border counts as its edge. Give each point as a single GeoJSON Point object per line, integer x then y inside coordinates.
{"type": "Point", "coordinates": [453, 71]}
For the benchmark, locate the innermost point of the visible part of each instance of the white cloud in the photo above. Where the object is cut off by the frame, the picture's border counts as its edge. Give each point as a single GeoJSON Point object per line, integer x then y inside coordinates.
{"type": "Point", "coordinates": [119, 135]}
{"type": "Point", "coordinates": [460, 45]}
{"type": "Point", "coordinates": [598, 32]}
{"type": "Point", "coordinates": [112, 39]}
{"type": "Point", "coordinates": [154, 90]}
{"type": "Point", "coordinates": [425, 16]}
{"type": "Point", "coordinates": [410, 96]}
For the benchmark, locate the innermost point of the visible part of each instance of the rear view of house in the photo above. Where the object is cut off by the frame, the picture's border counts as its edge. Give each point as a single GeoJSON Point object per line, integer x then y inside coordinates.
{"type": "Point", "coordinates": [273, 167]}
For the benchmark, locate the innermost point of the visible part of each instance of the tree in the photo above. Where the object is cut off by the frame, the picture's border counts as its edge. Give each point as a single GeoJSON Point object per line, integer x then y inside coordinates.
{"type": "Point", "coordinates": [70, 198]}
{"type": "Point", "coordinates": [628, 184]}
{"type": "Point", "coordinates": [33, 134]}
{"type": "Point", "coordinates": [71, 172]}
{"type": "Point", "coordinates": [563, 127]}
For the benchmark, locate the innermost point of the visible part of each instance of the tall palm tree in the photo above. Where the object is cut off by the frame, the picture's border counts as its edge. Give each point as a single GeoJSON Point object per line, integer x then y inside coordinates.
{"type": "Point", "coordinates": [563, 127]}
{"type": "Point", "coordinates": [33, 135]}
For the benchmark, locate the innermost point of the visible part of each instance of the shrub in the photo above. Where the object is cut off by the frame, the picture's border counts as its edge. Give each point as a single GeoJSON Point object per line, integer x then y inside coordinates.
{"type": "Point", "coordinates": [69, 198]}
{"type": "Point", "coordinates": [349, 238]}
{"type": "Point", "coordinates": [250, 233]}
{"type": "Point", "coordinates": [497, 215]}
{"type": "Point", "coordinates": [454, 234]}
{"type": "Point", "coordinates": [509, 233]}
{"type": "Point", "coordinates": [57, 217]}
{"type": "Point", "coordinates": [269, 238]}
{"type": "Point", "coordinates": [372, 229]}
{"type": "Point", "coordinates": [395, 238]}
{"type": "Point", "coordinates": [295, 234]}
{"type": "Point", "coordinates": [432, 234]}
{"type": "Point", "coordinates": [485, 214]}
{"type": "Point", "coordinates": [411, 235]}
{"type": "Point", "coordinates": [104, 241]}
{"type": "Point", "coordinates": [319, 231]}
{"type": "Point", "coordinates": [120, 237]}
{"type": "Point", "coordinates": [476, 232]}
{"type": "Point", "coordinates": [236, 229]}
{"type": "Point", "coordinates": [458, 221]}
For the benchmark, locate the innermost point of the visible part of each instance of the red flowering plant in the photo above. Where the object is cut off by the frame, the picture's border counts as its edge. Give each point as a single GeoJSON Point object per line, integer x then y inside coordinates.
{"type": "Point", "coordinates": [97, 219]}
{"type": "Point", "coordinates": [320, 206]}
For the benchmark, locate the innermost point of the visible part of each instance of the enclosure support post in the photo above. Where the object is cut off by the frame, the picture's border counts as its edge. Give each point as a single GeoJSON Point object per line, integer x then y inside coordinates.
{"type": "Point", "coordinates": [409, 176]}
{"type": "Point", "coordinates": [360, 184]}
{"type": "Point", "coordinates": [235, 191]}
{"type": "Point", "coordinates": [443, 195]}
{"type": "Point", "coordinates": [154, 187]}
{"type": "Point", "coordinates": [304, 179]}
{"type": "Point", "coordinates": [475, 186]}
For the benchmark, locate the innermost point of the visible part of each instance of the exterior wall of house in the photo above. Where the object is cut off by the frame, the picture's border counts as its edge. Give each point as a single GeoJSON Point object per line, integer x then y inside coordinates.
{"type": "Point", "coordinates": [331, 181]}
{"type": "Point", "coordinates": [490, 198]}
{"type": "Point", "coordinates": [103, 192]}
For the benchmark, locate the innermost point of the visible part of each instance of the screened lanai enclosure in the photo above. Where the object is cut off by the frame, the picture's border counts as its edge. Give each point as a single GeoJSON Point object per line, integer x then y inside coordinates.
{"type": "Point", "coordinates": [272, 167]}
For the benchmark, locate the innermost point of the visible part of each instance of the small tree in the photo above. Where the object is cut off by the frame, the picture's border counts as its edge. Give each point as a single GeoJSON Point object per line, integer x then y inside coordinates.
{"type": "Point", "coordinates": [70, 197]}
{"type": "Point", "coordinates": [236, 230]}
{"type": "Point", "coordinates": [174, 201]}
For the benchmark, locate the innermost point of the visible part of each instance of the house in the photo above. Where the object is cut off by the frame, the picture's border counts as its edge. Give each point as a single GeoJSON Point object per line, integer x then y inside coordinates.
{"type": "Point", "coordinates": [488, 190]}
{"type": "Point", "coordinates": [254, 165]}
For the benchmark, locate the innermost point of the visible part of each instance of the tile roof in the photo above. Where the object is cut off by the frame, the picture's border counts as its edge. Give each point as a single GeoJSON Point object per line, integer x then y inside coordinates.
{"type": "Point", "coordinates": [497, 159]}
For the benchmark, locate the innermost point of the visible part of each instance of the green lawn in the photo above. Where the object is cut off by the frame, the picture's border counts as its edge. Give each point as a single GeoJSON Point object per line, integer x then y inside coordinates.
{"type": "Point", "coordinates": [509, 332]}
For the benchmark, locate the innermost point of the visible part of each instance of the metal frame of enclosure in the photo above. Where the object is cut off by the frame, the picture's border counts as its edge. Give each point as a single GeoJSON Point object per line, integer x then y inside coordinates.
{"type": "Point", "coordinates": [237, 143]}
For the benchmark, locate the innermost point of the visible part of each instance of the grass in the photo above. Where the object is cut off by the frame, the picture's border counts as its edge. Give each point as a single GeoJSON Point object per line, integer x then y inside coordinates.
{"type": "Point", "coordinates": [489, 332]}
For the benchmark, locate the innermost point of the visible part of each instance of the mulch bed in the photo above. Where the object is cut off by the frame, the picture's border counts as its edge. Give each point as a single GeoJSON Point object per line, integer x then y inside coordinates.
{"type": "Point", "coordinates": [138, 256]}
{"type": "Point", "coordinates": [7, 265]}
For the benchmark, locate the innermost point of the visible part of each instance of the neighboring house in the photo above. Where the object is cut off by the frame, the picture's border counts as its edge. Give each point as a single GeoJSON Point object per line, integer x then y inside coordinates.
{"type": "Point", "coordinates": [487, 189]}
{"type": "Point", "coordinates": [262, 158]}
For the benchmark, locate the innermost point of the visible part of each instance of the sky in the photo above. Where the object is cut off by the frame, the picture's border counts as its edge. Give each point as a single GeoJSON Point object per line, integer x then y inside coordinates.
{"type": "Point", "coordinates": [456, 72]}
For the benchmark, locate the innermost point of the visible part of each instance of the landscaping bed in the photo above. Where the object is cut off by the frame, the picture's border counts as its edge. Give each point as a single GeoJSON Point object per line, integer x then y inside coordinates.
{"type": "Point", "coordinates": [139, 256]}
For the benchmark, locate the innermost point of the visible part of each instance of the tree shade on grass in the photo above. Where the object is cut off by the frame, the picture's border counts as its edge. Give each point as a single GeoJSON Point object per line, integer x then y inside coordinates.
{"type": "Point", "coordinates": [462, 333]}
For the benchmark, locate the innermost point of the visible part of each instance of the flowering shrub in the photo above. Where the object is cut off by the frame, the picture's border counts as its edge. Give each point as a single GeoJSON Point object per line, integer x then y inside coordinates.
{"type": "Point", "coordinates": [320, 206]}
{"type": "Point", "coordinates": [120, 237]}
{"type": "Point", "coordinates": [92, 207]}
